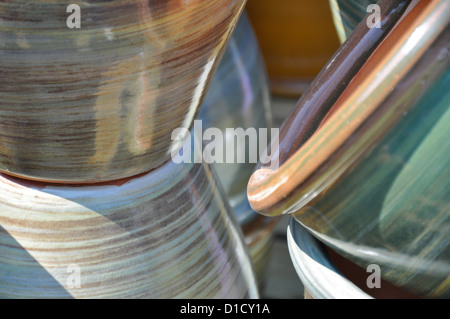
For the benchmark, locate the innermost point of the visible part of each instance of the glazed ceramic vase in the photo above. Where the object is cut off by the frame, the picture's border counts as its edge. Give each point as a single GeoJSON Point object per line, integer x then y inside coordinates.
{"type": "Point", "coordinates": [99, 102]}
{"type": "Point", "coordinates": [169, 233]}
{"type": "Point", "coordinates": [367, 170]}
{"type": "Point", "coordinates": [297, 38]}
{"type": "Point", "coordinates": [239, 97]}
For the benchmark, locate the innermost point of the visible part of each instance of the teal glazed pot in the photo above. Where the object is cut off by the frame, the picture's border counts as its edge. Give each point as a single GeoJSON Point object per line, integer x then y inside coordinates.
{"type": "Point", "coordinates": [169, 233]}
{"type": "Point", "coordinates": [369, 177]}
{"type": "Point", "coordinates": [99, 102]}
{"type": "Point", "coordinates": [392, 209]}
{"type": "Point", "coordinates": [239, 97]}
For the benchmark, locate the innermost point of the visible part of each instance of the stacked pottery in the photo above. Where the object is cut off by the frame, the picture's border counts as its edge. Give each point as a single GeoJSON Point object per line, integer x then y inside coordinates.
{"type": "Point", "coordinates": [364, 156]}
{"type": "Point", "coordinates": [166, 234]}
{"type": "Point", "coordinates": [239, 97]}
{"type": "Point", "coordinates": [91, 203]}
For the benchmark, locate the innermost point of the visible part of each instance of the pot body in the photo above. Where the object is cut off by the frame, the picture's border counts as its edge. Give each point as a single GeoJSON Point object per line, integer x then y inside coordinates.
{"type": "Point", "coordinates": [99, 102]}
{"type": "Point", "coordinates": [392, 208]}
{"type": "Point", "coordinates": [169, 233]}
{"type": "Point", "coordinates": [371, 181]}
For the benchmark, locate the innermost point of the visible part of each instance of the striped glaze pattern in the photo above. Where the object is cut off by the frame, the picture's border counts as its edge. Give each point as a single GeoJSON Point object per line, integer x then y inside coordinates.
{"type": "Point", "coordinates": [367, 109]}
{"type": "Point", "coordinates": [381, 196]}
{"type": "Point", "coordinates": [166, 234]}
{"type": "Point", "coordinates": [99, 103]}
{"type": "Point", "coordinates": [393, 208]}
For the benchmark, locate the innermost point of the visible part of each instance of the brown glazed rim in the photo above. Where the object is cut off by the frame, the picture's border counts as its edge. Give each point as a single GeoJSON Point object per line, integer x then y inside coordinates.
{"type": "Point", "coordinates": [317, 141]}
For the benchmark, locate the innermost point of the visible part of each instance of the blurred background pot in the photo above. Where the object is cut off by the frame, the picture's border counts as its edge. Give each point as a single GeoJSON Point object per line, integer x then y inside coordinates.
{"type": "Point", "coordinates": [372, 180]}
{"type": "Point", "coordinates": [169, 233]}
{"type": "Point", "coordinates": [297, 38]}
{"type": "Point", "coordinates": [100, 102]}
{"type": "Point", "coordinates": [239, 97]}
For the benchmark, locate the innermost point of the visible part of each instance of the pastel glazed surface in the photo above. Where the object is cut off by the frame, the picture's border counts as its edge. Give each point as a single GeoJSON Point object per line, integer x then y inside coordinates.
{"type": "Point", "coordinates": [167, 234]}
{"type": "Point", "coordinates": [100, 102]}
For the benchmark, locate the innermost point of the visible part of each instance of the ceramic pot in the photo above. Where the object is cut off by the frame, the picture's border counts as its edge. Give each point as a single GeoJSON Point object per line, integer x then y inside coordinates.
{"type": "Point", "coordinates": [369, 178]}
{"type": "Point", "coordinates": [239, 97]}
{"type": "Point", "coordinates": [297, 38]}
{"type": "Point", "coordinates": [329, 91]}
{"type": "Point", "coordinates": [99, 102]}
{"type": "Point", "coordinates": [169, 233]}
{"type": "Point", "coordinates": [327, 275]}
